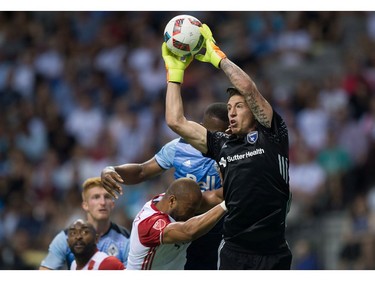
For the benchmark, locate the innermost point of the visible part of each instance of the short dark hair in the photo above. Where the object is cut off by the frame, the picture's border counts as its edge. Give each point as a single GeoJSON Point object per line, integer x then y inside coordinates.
{"type": "Point", "coordinates": [232, 91]}
{"type": "Point", "coordinates": [218, 110]}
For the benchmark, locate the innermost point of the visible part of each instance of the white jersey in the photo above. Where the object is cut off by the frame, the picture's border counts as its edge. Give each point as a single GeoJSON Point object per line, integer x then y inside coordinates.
{"type": "Point", "coordinates": [147, 250]}
{"type": "Point", "coordinates": [93, 263]}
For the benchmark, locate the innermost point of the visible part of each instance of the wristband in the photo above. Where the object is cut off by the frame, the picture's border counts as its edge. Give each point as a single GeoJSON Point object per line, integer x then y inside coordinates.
{"type": "Point", "coordinates": [222, 205]}
{"type": "Point", "coordinates": [175, 75]}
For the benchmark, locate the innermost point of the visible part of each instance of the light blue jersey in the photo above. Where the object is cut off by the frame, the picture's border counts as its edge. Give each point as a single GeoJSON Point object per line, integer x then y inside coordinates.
{"type": "Point", "coordinates": [115, 243]}
{"type": "Point", "coordinates": [189, 162]}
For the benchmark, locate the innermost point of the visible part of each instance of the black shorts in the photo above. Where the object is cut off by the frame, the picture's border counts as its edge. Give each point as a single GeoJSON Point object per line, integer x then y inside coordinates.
{"type": "Point", "coordinates": [202, 254]}
{"type": "Point", "coordinates": [233, 260]}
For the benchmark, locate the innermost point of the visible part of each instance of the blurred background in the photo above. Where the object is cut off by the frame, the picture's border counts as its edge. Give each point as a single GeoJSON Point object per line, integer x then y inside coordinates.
{"type": "Point", "coordinates": [83, 90]}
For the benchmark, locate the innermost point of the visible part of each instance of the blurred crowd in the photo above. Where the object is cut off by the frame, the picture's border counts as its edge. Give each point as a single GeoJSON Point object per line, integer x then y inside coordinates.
{"type": "Point", "coordinates": [83, 90]}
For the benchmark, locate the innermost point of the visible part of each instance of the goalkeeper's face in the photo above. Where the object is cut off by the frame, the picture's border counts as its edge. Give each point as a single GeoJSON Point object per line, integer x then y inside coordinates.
{"type": "Point", "coordinates": [241, 119]}
{"type": "Point", "coordinates": [98, 203]}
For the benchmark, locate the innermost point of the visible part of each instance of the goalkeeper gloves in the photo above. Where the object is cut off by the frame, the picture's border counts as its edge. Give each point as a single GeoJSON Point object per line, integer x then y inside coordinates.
{"type": "Point", "coordinates": [174, 65]}
{"type": "Point", "coordinates": [213, 53]}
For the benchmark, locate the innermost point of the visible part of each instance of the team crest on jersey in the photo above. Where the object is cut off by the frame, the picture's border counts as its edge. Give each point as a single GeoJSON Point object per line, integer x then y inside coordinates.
{"type": "Point", "coordinates": [223, 162]}
{"type": "Point", "coordinates": [252, 137]}
{"type": "Point", "coordinates": [112, 250]}
{"type": "Point", "coordinates": [159, 224]}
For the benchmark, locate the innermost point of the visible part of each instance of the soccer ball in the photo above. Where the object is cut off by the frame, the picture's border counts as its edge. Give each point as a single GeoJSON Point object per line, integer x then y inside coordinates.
{"type": "Point", "coordinates": [182, 35]}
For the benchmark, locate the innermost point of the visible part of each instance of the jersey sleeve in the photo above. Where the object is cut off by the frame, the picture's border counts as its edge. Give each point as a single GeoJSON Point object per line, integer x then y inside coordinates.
{"type": "Point", "coordinates": [111, 263]}
{"type": "Point", "coordinates": [215, 141]}
{"type": "Point", "coordinates": [166, 154]}
{"type": "Point", "coordinates": [150, 230]}
{"type": "Point", "coordinates": [279, 127]}
{"type": "Point", "coordinates": [56, 257]}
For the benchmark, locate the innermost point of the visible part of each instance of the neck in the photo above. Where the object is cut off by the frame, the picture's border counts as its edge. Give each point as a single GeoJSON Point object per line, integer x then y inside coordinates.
{"type": "Point", "coordinates": [83, 259]}
{"type": "Point", "coordinates": [100, 226]}
{"type": "Point", "coordinates": [162, 206]}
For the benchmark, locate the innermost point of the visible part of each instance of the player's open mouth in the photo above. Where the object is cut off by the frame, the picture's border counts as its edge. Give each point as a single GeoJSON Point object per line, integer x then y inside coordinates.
{"type": "Point", "coordinates": [79, 246]}
{"type": "Point", "coordinates": [232, 123]}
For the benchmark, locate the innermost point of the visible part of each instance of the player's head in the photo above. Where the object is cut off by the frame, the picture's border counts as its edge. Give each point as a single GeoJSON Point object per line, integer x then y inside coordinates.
{"type": "Point", "coordinates": [184, 198]}
{"type": "Point", "coordinates": [241, 118]}
{"type": "Point", "coordinates": [82, 239]}
{"type": "Point", "coordinates": [215, 117]}
{"type": "Point", "coordinates": [96, 201]}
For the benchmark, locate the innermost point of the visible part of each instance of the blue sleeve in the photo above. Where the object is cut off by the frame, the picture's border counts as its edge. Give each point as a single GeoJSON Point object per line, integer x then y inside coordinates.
{"type": "Point", "coordinates": [165, 156]}
{"type": "Point", "coordinates": [56, 257]}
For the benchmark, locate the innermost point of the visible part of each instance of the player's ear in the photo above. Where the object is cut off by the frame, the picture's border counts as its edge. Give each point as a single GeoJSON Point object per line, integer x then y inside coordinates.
{"type": "Point", "coordinates": [172, 201]}
{"type": "Point", "coordinates": [84, 206]}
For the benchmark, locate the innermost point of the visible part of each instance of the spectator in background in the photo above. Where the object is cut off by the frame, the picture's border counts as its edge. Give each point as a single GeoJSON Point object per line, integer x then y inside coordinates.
{"type": "Point", "coordinates": [305, 257]}
{"type": "Point", "coordinates": [357, 251]}
{"type": "Point", "coordinates": [336, 163]}
{"type": "Point", "coordinates": [307, 182]}
{"type": "Point", "coordinates": [85, 121]}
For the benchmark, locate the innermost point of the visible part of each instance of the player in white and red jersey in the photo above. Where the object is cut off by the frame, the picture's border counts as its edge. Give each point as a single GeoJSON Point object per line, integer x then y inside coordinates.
{"type": "Point", "coordinates": [82, 240]}
{"type": "Point", "coordinates": [165, 226]}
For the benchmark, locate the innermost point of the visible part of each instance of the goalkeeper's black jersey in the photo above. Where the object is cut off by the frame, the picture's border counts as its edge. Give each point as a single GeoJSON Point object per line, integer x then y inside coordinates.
{"type": "Point", "coordinates": [255, 170]}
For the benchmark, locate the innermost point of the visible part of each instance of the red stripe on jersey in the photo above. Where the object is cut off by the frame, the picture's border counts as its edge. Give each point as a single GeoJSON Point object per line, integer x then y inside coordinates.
{"type": "Point", "coordinates": [152, 256]}
{"type": "Point", "coordinates": [91, 265]}
{"type": "Point", "coordinates": [147, 261]}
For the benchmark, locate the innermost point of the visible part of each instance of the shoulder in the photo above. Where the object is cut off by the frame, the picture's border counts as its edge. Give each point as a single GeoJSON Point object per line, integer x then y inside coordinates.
{"type": "Point", "coordinates": [171, 144]}
{"type": "Point", "coordinates": [278, 131]}
{"type": "Point", "coordinates": [111, 263]}
{"type": "Point", "coordinates": [120, 229]}
{"type": "Point", "coordinates": [219, 135]}
{"type": "Point", "coordinates": [150, 229]}
{"type": "Point", "coordinates": [60, 238]}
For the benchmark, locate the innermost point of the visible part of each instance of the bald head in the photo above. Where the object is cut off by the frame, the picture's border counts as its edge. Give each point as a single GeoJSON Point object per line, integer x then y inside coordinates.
{"type": "Point", "coordinates": [184, 198]}
{"type": "Point", "coordinates": [184, 188]}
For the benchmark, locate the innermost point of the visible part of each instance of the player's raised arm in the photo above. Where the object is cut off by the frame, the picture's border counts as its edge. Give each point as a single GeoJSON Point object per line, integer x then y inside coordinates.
{"type": "Point", "coordinates": [259, 106]}
{"type": "Point", "coordinates": [129, 174]}
{"type": "Point", "coordinates": [192, 132]}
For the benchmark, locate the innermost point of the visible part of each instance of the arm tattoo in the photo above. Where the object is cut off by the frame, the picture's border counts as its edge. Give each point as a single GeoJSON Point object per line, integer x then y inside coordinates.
{"type": "Point", "coordinates": [247, 87]}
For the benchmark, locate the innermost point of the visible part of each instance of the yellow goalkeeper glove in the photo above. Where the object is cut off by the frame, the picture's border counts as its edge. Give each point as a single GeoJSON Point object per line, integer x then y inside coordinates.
{"type": "Point", "coordinates": [213, 53]}
{"type": "Point", "coordinates": [174, 65]}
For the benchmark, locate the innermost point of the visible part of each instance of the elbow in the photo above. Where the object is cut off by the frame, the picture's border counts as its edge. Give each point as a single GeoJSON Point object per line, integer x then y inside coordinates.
{"type": "Point", "coordinates": [174, 123]}
{"type": "Point", "coordinates": [187, 232]}
{"type": "Point", "coordinates": [190, 236]}
{"type": "Point", "coordinates": [191, 233]}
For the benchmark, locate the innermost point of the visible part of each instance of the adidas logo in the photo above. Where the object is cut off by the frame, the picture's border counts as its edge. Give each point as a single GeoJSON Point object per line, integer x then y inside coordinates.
{"type": "Point", "coordinates": [187, 163]}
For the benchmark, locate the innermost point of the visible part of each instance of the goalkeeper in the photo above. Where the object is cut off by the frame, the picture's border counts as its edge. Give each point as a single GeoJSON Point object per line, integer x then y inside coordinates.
{"type": "Point", "coordinates": [253, 159]}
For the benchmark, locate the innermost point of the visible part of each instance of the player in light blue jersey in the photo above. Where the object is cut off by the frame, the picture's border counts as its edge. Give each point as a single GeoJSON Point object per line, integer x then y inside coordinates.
{"type": "Point", "coordinates": [188, 162]}
{"type": "Point", "coordinates": [113, 240]}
